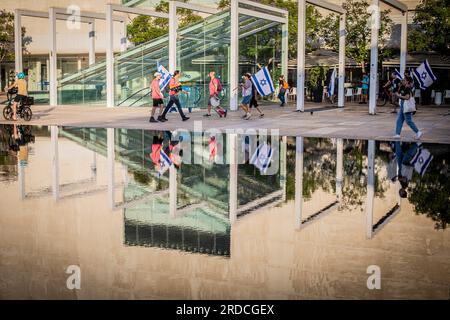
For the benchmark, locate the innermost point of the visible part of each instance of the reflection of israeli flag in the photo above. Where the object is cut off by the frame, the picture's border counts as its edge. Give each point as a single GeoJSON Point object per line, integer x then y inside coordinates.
{"type": "Point", "coordinates": [332, 81]}
{"type": "Point", "coordinates": [262, 157]}
{"type": "Point", "coordinates": [421, 161]}
{"type": "Point", "coordinates": [166, 76]}
{"type": "Point", "coordinates": [424, 75]}
{"type": "Point", "coordinates": [263, 82]}
{"type": "Point", "coordinates": [398, 75]}
{"type": "Point", "coordinates": [165, 163]}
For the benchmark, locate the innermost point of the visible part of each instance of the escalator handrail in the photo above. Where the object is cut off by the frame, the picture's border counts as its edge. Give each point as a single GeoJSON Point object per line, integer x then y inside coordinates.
{"type": "Point", "coordinates": [139, 91]}
{"type": "Point", "coordinates": [148, 93]}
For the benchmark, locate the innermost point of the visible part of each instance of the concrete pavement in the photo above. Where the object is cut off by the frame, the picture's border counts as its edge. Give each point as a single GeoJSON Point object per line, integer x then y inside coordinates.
{"type": "Point", "coordinates": [352, 122]}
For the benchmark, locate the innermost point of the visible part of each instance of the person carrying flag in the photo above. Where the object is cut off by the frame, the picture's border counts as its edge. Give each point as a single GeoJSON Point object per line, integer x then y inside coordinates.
{"type": "Point", "coordinates": [246, 95]}
{"type": "Point", "coordinates": [254, 101]}
{"type": "Point", "coordinates": [215, 87]}
{"type": "Point", "coordinates": [157, 97]}
{"type": "Point", "coordinates": [175, 88]}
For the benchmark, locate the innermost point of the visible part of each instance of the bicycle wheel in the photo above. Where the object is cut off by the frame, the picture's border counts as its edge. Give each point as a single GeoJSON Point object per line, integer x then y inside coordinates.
{"type": "Point", "coordinates": [382, 100]}
{"type": "Point", "coordinates": [27, 114]}
{"type": "Point", "coordinates": [7, 113]}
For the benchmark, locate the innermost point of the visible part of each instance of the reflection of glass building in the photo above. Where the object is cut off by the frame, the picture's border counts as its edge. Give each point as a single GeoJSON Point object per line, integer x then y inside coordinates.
{"type": "Point", "coordinates": [191, 208]}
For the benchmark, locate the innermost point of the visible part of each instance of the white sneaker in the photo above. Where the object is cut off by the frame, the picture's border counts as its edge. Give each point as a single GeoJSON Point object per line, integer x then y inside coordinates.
{"type": "Point", "coordinates": [397, 136]}
{"type": "Point", "coordinates": [419, 135]}
{"type": "Point", "coordinates": [248, 116]}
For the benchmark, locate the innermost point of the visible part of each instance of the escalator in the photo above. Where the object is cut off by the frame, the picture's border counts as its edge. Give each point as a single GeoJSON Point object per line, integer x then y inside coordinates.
{"type": "Point", "coordinates": [202, 47]}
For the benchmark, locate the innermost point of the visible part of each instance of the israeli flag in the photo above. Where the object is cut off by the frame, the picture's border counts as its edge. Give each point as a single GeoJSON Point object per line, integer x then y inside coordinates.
{"type": "Point", "coordinates": [262, 157]}
{"type": "Point", "coordinates": [165, 163]}
{"type": "Point", "coordinates": [166, 76]}
{"type": "Point", "coordinates": [398, 75]}
{"type": "Point", "coordinates": [263, 82]}
{"type": "Point", "coordinates": [421, 161]}
{"type": "Point", "coordinates": [424, 75]}
{"type": "Point", "coordinates": [331, 84]}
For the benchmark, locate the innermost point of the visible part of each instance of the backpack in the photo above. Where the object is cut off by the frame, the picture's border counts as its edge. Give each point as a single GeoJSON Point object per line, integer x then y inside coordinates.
{"type": "Point", "coordinates": [219, 85]}
{"type": "Point", "coordinates": [285, 85]}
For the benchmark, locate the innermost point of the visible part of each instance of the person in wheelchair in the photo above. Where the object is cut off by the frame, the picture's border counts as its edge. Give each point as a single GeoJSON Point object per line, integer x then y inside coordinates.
{"type": "Point", "coordinates": [22, 92]}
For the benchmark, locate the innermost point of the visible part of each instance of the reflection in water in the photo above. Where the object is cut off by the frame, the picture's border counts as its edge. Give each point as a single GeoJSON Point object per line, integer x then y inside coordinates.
{"type": "Point", "coordinates": [264, 203]}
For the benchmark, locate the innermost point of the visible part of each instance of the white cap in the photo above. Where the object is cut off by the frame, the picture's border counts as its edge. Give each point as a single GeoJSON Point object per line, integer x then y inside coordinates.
{"type": "Point", "coordinates": [157, 74]}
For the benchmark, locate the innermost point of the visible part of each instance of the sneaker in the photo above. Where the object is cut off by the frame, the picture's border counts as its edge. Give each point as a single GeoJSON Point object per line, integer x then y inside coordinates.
{"type": "Point", "coordinates": [261, 115]}
{"type": "Point", "coordinates": [397, 136]}
{"type": "Point", "coordinates": [419, 135]}
{"type": "Point", "coordinates": [152, 120]}
{"type": "Point", "coordinates": [244, 116]}
{"type": "Point", "coordinates": [185, 118]}
{"type": "Point", "coordinates": [161, 119]}
{"type": "Point", "coordinates": [207, 115]}
{"type": "Point", "coordinates": [248, 116]}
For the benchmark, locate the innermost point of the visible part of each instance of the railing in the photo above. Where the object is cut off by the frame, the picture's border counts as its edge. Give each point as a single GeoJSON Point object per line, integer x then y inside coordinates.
{"type": "Point", "coordinates": [134, 94]}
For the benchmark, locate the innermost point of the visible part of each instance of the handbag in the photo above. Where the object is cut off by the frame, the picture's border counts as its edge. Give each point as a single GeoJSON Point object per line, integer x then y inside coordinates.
{"type": "Point", "coordinates": [409, 105]}
{"type": "Point", "coordinates": [215, 101]}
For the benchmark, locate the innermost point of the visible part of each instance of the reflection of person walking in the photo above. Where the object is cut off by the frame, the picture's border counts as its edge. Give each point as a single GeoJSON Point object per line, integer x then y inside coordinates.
{"type": "Point", "coordinates": [283, 85]}
{"type": "Point", "coordinates": [157, 97]}
{"type": "Point", "coordinates": [406, 112]}
{"type": "Point", "coordinates": [215, 87]}
{"type": "Point", "coordinates": [175, 88]}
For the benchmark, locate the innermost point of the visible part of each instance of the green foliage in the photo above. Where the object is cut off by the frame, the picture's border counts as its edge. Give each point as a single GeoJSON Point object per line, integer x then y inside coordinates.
{"type": "Point", "coordinates": [432, 27]}
{"type": "Point", "coordinates": [7, 36]}
{"type": "Point", "coordinates": [316, 76]}
{"type": "Point", "coordinates": [144, 28]}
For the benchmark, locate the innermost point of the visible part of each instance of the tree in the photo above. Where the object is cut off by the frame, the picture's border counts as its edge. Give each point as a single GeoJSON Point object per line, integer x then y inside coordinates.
{"type": "Point", "coordinates": [145, 28]}
{"type": "Point", "coordinates": [431, 29]}
{"type": "Point", "coordinates": [7, 36]}
{"type": "Point", "coordinates": [358, 31]}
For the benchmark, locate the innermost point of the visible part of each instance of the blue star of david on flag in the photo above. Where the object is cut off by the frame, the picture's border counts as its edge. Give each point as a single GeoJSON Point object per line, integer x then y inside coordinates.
{"type": "Point", "coordinates": [424, 75]}
{"type": "Point", "coordinates": [263, 82]}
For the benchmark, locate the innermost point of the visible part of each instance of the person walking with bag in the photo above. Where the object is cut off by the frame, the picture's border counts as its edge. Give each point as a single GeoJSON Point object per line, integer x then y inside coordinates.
{"type": "Point", "coordinates": [175, 88]}
{"type": "Point", "coordinates": [157, 98]}
{"type": "Point", "coordinates": [215, 87]}
{"type": "Point", "coordinates": [407, 109]}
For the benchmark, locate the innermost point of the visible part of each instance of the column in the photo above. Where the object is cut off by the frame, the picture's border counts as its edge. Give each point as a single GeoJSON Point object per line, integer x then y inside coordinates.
{"type": "Point", "coordinates": [91, 43]}
{"type": "Point", "coordinates": [18, 40]}
{"type": "Point", "coordinates": [403, 42]}
{"type": "Point", "coordinates": [375, 26]}
{"type": "Point", "coordinates": [110, 134]}
{"type": "Point", "coordinates": [285, 48]}
{"type": "Point", "coordinates": [234, 55]}
{"type": "Point", "coordinates": [339, 168]}
{"type": "Point", "coordinates": [123, 38]}
{"type": "Point", "coordinates": [370, 188]}
{"type": "Point", "coordinates": [283, 165]}
{"type": "Point", "coordinates": [53, 73]}
{"type": "Point", "coordinates": [233, 161]}
{"type": "Point", "coordinates": [301, 55]}
{"type": "Point", "coordinates": [173, 191]}
{"type": "Point", "coordinates": [173, 34]}
{"type": "Point", "coordinates": [342, 32]}
{"type": "Point", "coordinates": [298, 182]}
{"type": "Point", "coordinates": [55, 161]}
{"type": "Point", "coordinates": [21, 179]}
{"type": "Point", "coordinates": [109, 56]}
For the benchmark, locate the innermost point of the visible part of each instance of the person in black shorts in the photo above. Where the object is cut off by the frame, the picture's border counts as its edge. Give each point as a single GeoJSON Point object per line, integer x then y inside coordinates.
{"type": "Point", "coordinates": [254, 102]}
{"type": "Point", "coordinates": [157, 97]}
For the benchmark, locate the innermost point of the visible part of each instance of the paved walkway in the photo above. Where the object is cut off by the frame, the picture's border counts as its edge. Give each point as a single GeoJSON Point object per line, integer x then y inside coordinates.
{"type": "Point", "coordinates": [351, 122]}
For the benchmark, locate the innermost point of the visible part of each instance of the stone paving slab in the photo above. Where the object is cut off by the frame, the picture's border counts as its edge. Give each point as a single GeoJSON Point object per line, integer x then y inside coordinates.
{"type": "Point", "coordinates": [351, 122]}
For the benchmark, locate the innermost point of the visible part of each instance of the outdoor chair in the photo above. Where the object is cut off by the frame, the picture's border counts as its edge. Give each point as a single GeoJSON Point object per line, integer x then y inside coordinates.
{"type": "Point", "coordinates": [349, 94]}
{"type": "Point", "coordinates": [293, 94]}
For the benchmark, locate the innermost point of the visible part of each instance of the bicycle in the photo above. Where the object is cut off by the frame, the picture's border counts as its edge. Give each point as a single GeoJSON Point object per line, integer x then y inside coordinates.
{"type": "Point", "coordinates": [23, 107]}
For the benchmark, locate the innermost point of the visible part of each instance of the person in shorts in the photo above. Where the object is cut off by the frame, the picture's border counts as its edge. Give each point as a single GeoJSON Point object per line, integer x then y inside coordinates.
{"type": "Point", "coordinates": [22, 93]}
{"type": "Point", "coordinates": [157, 97]}
{"type": "Point", "coordinates": [254, 101]}
{"type": "Point", "coordinates": [215, 87]}
{"type": "Point", "coordinates": [364, 88]}
{"type": "Point", "coordinates": [246, 95]}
